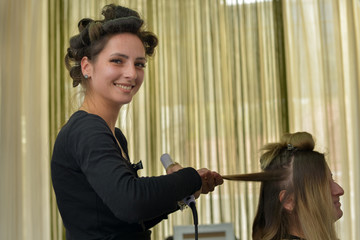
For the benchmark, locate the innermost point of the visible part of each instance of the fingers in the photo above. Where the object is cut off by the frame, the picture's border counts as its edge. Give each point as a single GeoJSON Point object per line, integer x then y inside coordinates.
{"type": "Point", "coordinates": [210, 180]}
{"type": "Point", "coordinates": [208, 184]}
{"type": "Point", "coordinates": [218, 179]}
{"type": "Point", "coordinates": [197, 193]}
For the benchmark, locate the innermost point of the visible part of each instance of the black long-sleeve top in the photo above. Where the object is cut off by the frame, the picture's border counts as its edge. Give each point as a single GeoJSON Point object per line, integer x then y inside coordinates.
{"type": "Point", "coordinates": [99, 194]}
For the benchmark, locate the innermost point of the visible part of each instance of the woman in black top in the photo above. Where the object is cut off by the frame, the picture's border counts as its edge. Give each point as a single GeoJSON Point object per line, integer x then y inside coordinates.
{"type": "Point", "coordinates": [99, 194]}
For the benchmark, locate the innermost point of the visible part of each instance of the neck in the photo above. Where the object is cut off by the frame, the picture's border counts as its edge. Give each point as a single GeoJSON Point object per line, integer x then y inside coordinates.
{"type": "Point", "coordinates": [295, 229]}
{"type": "Point", "coordinates": [108, 113]}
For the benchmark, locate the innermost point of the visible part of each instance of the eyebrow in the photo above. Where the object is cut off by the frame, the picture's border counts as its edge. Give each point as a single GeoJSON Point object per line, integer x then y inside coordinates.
{"type": "Point", "coordinates": [127, 57]}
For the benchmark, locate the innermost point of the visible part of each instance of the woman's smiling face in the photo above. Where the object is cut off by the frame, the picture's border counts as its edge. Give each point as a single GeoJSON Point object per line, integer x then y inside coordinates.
{"type": "Point", "coordinates": [118, 70]}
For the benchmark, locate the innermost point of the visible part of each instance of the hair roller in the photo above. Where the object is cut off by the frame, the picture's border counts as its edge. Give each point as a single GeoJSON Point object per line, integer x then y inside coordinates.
{"type": "Point", "coordinates": [112, 11]}
{"type": "Point", "coordinates": [83, 23]}
{"type": "Point", "coordinates": [130, 24]}
{"type": "Point", "coordinates": [95, 31]}
{"type": "Point", "coordinates": [84, 38]}
{"type": "Point", "coordinates": [149, 42]}
{"type": "Point", "coordinates": [70, 53]}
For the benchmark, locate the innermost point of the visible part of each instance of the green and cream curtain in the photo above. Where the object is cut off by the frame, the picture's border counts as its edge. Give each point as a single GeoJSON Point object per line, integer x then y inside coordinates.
{"type": "Point", "coordinates": [24, 121]}
{"type": "Point", "coordinates": [227, 77]}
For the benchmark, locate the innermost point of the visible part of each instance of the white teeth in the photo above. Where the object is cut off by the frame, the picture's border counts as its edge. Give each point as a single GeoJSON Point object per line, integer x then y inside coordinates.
{"type": "Point", "coordinates": [124, 87]}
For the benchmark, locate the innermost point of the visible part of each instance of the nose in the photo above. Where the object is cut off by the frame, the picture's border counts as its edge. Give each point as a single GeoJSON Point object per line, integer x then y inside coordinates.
{"type": "Point", "coordinates": [130, 72]}
{"type": "Point", "coordinates": [337, 190]}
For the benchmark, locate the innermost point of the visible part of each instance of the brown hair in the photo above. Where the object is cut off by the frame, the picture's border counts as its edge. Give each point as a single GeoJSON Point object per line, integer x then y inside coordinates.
{"type": "Point", "coordinates": [94, 34]}
{"type": "Point", "coordinates": [302, 172]}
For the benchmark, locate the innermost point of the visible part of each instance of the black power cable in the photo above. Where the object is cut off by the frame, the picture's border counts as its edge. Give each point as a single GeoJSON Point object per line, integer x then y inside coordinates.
{"type": "Point", "coordinates": [195, 216]}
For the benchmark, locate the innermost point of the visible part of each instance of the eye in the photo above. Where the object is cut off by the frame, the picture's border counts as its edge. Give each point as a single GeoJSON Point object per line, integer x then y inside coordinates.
{"type": "Point", "coordinates": [140, 65]}
{"type": "Point", "coordinates": [116, 60]}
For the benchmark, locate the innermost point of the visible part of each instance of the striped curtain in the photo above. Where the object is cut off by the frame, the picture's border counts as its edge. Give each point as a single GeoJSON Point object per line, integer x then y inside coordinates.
{"type": "Point", "coordinates": [227, 77]}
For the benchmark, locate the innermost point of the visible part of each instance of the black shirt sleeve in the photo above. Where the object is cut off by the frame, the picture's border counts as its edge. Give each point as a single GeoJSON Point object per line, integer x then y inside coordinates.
{"type": "Point", "coordinates": [130, 198]}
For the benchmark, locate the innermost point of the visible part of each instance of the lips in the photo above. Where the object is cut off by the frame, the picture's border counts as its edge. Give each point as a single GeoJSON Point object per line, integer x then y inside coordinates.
{"type": "Point", "coordinates": [126, 87]}
{"type": "Point", "coordinates": [337, 203]}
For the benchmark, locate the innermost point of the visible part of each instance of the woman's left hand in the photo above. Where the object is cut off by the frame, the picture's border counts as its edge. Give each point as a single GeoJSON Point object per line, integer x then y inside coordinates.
{"type": "Point", "coordinates": [210, 180]}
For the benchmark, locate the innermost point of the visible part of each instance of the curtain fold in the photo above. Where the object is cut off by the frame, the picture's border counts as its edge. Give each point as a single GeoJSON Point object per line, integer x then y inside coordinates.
{"type": "Point", "coordinates": [24, 155]}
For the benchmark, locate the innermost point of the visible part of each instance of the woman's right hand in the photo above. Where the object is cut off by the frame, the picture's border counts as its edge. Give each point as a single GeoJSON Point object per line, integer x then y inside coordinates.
{"type": "Point", "coordinates": [210, 179]}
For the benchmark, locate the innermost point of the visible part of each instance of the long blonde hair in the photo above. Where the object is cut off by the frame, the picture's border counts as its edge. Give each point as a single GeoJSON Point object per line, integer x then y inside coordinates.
{"type": "Point", "coordinates": [302, 173]}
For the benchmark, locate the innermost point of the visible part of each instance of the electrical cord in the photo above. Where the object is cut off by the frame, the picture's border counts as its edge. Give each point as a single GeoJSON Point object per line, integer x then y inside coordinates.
{"type": "Point", "coordinates": [195, 216]}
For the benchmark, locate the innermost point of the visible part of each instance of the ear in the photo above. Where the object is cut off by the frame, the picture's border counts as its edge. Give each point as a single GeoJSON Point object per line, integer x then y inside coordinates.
{"type": "Point", "coordinates": [287, 200]}
{"type": "Point", "coordinates": [86, 66]}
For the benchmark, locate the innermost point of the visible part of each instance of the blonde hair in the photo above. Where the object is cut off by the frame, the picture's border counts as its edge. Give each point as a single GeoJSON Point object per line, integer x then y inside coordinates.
{"type": "Point", "coordinates": [302, 173]}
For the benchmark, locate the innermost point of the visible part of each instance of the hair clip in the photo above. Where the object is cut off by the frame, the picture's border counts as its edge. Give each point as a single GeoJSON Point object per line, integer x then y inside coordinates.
{"type": "Point", "coordinates": [290, 147]}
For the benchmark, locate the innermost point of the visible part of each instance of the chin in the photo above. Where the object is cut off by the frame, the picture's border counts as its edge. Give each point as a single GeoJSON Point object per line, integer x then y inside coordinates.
{"type": "Point", "coordinates": [339, 214]}
{"type": "Point", "coordinates": [124, 101]}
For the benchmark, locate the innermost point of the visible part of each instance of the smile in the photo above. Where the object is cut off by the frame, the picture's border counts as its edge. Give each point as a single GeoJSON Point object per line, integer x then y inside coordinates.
{"type": "Point", "coordinates": [123, 86]}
